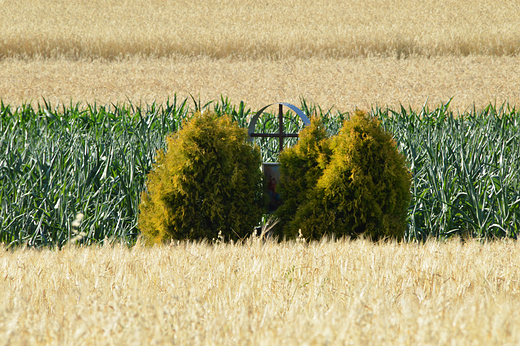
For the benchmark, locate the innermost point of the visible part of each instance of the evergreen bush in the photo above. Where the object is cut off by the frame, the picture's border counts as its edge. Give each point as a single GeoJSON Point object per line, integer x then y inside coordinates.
{"type": "Point", "coordinates": [300, 168]}
{"type": "Point", "coordinates": [359, 185]}
{"type": "Point", "coordinates": [207, 181]}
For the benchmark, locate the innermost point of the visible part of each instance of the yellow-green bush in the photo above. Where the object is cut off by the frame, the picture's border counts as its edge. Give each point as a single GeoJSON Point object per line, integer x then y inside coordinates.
{"type": "Point", "coordinates": [354, 183]}
{"type": "Point", "coordinates": [301, 166]}
{"type": "Point", "coordinates": [207, 181]}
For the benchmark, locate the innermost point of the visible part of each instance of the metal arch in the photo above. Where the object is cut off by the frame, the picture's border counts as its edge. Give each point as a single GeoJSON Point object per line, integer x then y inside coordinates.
{"type": "Point", "coordinates": [254, 119]}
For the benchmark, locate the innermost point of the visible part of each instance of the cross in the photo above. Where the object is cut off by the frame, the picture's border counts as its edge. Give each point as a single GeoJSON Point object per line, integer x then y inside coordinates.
{"type": "Point", "coordinates": [280, 135]}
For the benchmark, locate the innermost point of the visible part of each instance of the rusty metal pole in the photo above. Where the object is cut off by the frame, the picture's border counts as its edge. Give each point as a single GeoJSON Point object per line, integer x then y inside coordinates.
{"type": "Point", "coordinates": [280, 125]}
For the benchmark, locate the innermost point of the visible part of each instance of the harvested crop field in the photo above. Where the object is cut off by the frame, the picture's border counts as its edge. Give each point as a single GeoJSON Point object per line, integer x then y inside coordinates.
{"type": "Point", "coordinates": [263, 293]}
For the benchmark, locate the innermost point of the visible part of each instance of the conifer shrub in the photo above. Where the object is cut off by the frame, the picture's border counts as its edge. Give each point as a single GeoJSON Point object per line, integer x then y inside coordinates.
{"type": "Point", "coordinates": [300, 168]}
{"type": "Point", "coordinates": [360, 185]}
{"type": "Point", "coordinates": [207, 184]}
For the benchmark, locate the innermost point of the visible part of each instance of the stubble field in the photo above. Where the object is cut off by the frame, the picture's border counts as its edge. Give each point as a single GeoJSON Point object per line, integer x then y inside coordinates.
{"type": "Point", "coordinates": [360, 54]}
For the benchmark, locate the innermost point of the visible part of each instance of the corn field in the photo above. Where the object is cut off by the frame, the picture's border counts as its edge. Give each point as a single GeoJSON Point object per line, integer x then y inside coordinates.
{"type": "Point", "coordinates": [58, 162]}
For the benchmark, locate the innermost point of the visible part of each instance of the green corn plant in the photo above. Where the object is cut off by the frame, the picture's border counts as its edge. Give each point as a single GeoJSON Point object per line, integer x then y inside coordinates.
{"type": "Point", "coordinates": [58, 161]}
{"type": "Point", "coordinates": [464, 170]}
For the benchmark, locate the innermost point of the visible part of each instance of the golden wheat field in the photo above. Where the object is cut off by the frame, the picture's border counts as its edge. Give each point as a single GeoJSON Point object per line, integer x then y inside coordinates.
{"type": "Point", "coordinates": [246, 29]}
{"type": "Point", "coordinates": [345, 84]}
{"type": "Point", "coordinates": [333, 53]}
{"type": "Point", "coordinates": [263, 293]}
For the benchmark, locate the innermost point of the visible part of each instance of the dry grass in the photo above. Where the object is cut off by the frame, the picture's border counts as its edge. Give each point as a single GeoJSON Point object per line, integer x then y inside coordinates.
{"type": "Point", "coordinates": [275, 29]}
{"type": "Point", "coordinates": [343, 83]}
{"type": "Point", "coordinates": [349, 293]}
